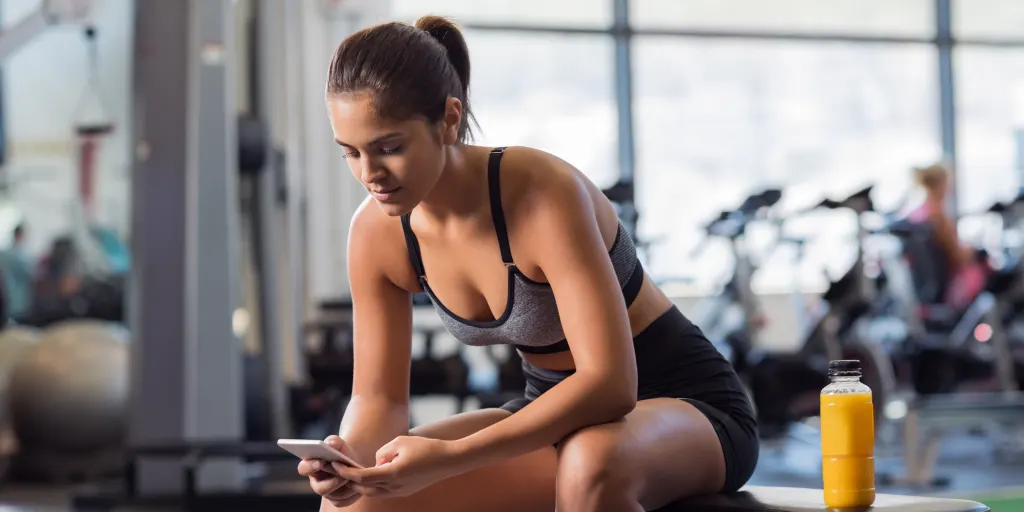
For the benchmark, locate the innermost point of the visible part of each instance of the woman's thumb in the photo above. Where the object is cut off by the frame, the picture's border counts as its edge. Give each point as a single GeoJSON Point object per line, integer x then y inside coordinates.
{"type": "Point", "coordinates": [387, 453]}
{"type": "Point", "coordinates": [335, 442]}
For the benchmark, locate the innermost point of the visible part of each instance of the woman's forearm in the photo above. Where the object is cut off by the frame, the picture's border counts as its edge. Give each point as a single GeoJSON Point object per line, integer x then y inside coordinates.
{"type": "Point", "coordinates": [370, 423]}
{"type": "Point", "coordinates": [578, 401]}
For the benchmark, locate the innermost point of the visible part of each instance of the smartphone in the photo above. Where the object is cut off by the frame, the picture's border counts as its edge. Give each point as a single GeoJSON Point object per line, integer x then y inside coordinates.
{"type": "Point", "coordinates": [312, 449]}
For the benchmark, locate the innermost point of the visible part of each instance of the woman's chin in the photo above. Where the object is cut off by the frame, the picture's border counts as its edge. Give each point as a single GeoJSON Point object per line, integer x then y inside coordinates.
{"type": "Point", "coordinates": [393, 209]}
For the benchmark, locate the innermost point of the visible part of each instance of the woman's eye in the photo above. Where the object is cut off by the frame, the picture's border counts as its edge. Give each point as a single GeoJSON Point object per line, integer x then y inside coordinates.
{"type": "Point", "coordinates": [392, 150]}
{"type": "Point", "coordinates": [350, 154]}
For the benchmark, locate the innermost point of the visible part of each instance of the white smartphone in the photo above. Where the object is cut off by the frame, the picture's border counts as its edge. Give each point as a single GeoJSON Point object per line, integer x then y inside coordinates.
{"type": "Point", "coordinates": [312, 449]}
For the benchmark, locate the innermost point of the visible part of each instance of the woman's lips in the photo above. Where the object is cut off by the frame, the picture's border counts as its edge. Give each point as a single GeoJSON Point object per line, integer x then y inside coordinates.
{"type": "Point", "coordinates": [385, 194]}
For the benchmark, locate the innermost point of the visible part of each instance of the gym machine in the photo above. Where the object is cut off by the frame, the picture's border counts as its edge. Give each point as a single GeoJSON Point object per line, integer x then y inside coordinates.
{"type": "Point", "coordinates": [958, 351]}
{"type": "Point", "coordinates": [780, 403]}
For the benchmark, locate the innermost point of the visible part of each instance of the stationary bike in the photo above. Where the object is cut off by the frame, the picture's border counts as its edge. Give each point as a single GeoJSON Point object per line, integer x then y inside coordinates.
{"type": "Point", "coordinates": [834, 331]}
{"type": "Point", "coordinates": [783, 387]}
{"type": "Point", "coordinates": [950, 347]}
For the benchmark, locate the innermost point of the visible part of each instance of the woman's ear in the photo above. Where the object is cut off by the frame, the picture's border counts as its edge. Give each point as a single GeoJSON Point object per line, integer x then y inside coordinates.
{"type": "Point", "coordinates": [452, 121]}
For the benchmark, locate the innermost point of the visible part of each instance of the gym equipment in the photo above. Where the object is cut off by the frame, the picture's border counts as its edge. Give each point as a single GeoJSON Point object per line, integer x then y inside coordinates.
{"type": "Point", "coordinates": [949, 349]}
{"type": "Point", "coordinates": [92, 126]}
{"type": "Point", "coordinates": [750, 498]}
{"type": "Point", "coordinates": [317, 408]}
{"type": "Point", "coordinates": [713, 314]}
{"type": "Point", "coordinates": [781, 499]}
{"type": "Point", "coordinates": [784, 387]}
{"type": "Point", "coordinates": [252, 144]}
{"type": "Point", "coordinates": [15, 340]}
{"type": "Point", "coordinates": [99, 298]}
{"type": "Point", "coordinates": [945, 340]}
{"type": "Point", "coordinates": [189, 458]}
{"type": "Point", "coordinates": [68, 398]}
{"type": "Point", "coordinates": [928, 417]}
{"type": "Point", "coordinates": [448, 375]}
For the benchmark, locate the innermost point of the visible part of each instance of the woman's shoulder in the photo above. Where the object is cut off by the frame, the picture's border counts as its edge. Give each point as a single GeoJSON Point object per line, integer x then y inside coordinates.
{"type": "Point", "coordinates": [540, 190]}
{"type": "Point", "coordinates": [532, 177]}
{"type": "Point", "coordinates": [376, 244]}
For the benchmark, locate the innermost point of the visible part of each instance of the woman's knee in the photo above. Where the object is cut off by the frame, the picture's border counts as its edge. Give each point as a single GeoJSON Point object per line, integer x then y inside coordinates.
{"type": "Point", "coordinates": [593, 470]}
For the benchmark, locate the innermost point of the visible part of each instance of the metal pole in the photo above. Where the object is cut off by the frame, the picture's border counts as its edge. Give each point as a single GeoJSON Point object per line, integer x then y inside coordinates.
{"type": "Point", "coordinates": [947, 96]}
{"type": "Point", "coordinates": [624, 103]}
{"type": "Point", "coordinates": [186, 372]}
{"type": "Point", "coordinates": [269, 61]}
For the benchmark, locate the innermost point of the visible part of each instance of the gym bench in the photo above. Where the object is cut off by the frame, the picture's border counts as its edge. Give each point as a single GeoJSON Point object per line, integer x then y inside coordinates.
{"type": "Point", "coordinates": [788, 499]}
{"type": "Point", "coordinates": [298, 497]}
{"type": "Point", "coordinates": [928, 417]}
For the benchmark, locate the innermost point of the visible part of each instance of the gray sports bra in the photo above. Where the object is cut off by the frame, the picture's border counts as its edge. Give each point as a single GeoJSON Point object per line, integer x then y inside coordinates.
{"type": "Point", "coordinates": [530, 321]}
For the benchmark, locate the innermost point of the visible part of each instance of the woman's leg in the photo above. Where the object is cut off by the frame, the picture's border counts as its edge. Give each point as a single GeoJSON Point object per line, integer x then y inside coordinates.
{"type": "Point", "coordinates": [521, 484]}
{"type": "Point", "coordinates": [664, 450]}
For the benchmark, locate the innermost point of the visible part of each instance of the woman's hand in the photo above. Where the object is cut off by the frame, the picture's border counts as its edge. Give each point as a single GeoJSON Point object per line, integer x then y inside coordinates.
{"type": "Point", "coordinates": [405, 466]}
{"type": "Point", "coordinates": [324, 479]}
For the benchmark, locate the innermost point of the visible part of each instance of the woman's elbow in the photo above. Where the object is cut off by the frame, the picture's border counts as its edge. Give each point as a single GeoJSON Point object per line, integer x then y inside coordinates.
{"type": "Point", "coordinates": [624, 405]}
{"type": "Point", "coordinates": [618, 395]}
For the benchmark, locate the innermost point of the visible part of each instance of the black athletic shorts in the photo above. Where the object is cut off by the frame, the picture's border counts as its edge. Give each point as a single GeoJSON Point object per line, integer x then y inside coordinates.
{"type": "Point", "coordinates": [674, 359]}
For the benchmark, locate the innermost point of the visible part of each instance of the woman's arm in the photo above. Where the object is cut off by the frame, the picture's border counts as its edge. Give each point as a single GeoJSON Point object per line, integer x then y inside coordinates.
{"type": "Point", "coordinates": [382, 315]}
{"type": "Point", "coordinates": [567, 245]}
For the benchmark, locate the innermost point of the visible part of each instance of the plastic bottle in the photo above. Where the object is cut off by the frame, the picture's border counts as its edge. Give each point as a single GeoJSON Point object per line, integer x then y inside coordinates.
{"type": "Point", "coordinates": [847, 438]}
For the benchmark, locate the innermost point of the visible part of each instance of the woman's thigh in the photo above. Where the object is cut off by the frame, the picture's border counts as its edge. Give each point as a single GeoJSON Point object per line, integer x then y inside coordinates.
{"type": "Point", "coordinates": [664, 450]}
{"type": "Point", "coordinates": [525, 483]}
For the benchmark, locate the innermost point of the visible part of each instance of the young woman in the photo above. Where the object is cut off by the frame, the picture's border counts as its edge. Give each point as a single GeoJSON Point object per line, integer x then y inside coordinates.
{"type": "Point", "coordinates": [627, 407]}
{"type": "Point", "coordinates": [967, 271]}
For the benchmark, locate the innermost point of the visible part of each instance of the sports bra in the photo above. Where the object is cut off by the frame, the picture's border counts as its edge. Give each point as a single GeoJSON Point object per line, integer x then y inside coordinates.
{"type": "Point", "coordinates": [530, 321]}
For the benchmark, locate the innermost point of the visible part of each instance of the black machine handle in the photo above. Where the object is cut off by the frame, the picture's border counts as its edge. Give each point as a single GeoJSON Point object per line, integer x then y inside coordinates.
{"type": "Point", "coordinates": [860, 202]}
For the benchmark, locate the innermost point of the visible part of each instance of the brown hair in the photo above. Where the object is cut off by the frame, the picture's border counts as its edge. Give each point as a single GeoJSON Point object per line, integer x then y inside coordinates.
{"type": "Point", "coordinates": [930, 176]}
{"type": "Point", "coordinates": [409, 70]}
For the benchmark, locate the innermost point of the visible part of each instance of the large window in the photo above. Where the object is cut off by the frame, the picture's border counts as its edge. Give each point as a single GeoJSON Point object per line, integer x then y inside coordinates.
{"type": "Point", "coordinates": [729, 96]}
{"type": "Point", "coordinates": [549, 91]}
{"type": "Point", "coordinates": [988, 19]}
{"type": "Point", "coordinates": [566, 13]}
{"type": "Point", "coordinates": [878, 17]}
{"type": "Point", "coordinates": [716, 120]}
{"type": "Point", "coordinates": [990, 122]}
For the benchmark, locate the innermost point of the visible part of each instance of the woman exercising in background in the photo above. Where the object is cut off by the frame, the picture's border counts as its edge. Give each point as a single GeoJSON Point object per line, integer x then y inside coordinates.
{"type": "Point", "coordinates": [628, 406]}
{"type": "Point", "coordinates": [967, 270]}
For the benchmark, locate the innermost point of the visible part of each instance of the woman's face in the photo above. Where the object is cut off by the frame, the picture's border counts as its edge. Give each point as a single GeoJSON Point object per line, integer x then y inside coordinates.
{"type": "Point", "coordinates": [398, 162]}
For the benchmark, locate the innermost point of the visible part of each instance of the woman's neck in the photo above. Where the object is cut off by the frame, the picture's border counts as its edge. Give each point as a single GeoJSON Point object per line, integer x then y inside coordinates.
{"type": "Point", "coordinates": [935, 198]}
{"type": "Point", "coordinates": [461, 189]}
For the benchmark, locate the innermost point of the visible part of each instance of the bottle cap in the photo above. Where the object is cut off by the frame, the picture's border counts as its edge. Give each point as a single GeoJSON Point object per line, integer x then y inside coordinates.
{"type": "Point", "coordinates": [844, 368]}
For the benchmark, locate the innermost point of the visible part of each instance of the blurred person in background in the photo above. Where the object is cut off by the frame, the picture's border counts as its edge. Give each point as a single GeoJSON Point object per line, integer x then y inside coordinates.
{"type": "Point", "coordinates": [966, 267]}
{"type": "Point", "coordinates": [18, 276]}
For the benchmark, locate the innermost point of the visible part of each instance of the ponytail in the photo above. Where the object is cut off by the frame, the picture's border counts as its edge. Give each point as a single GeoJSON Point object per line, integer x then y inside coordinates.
{"type": "Point", "coordinates": [446, 33]}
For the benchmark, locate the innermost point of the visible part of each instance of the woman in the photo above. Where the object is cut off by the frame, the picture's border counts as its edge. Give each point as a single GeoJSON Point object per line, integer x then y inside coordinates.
{"type": "Point", "coordinates": [627, 407]}
{"type": "Point", "coordinates": [967, 270]}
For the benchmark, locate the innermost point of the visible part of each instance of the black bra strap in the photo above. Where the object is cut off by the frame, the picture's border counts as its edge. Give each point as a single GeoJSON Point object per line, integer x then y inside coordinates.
{"type": "Point", "coordinates": [494, 180]}
{"type": "Point", "coordinates": [413, 246]}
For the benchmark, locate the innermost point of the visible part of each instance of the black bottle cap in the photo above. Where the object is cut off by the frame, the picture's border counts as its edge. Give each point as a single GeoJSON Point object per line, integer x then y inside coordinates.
{"type": "Point", "coordinates": [844, 368]}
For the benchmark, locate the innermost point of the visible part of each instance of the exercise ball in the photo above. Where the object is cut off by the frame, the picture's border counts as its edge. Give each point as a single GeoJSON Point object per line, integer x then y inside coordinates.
{"type": "Point", "coordinates": [15, 340]}
{"type": "Point", "coordinates": [69, 392]}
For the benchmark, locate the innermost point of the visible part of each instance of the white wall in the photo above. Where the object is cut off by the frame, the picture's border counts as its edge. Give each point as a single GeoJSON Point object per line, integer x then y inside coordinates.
{"type": "Point", "coordinates": [43, 84]}
{"type": "Point", "coordinates": [331, 191]}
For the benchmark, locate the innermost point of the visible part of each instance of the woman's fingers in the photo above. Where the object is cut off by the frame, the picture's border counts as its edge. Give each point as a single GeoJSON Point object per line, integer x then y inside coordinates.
{"type": "Point", "coordinates": [326, 486]}
{"type": "Point", "coordinates": [310, 467]}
